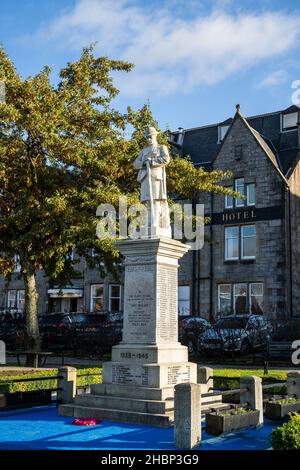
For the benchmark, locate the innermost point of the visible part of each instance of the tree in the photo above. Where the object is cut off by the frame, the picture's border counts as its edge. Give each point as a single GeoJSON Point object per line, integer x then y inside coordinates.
{"type": "Point", "coordinates": [63, 151]}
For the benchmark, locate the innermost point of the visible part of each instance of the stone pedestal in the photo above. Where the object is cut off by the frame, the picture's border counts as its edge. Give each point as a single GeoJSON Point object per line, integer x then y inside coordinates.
{"type": "Point", "coordinates": [187, 422]}
{"type": "Point", "coordinates": [253, 396]}
{"type": "Point", "coordinates": [138, 383]}
{"type": "Point", "coordinates": [293, 384]}
{"type": "Point", "coordinates": [150, 355]}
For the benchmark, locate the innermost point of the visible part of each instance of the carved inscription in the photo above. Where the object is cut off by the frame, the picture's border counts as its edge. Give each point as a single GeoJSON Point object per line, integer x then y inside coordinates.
{"type": "Point", "coordinates": [130, 375]}
{"type": "Point", "coordinates": [167, 321]}
{"type": "Point", "coordinates": [178, 374]}
{"type": "Point", "coordinates": [139, 321]}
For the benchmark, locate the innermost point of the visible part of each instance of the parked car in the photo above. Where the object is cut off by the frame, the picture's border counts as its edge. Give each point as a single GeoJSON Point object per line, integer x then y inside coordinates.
{"type": "Point", "coordinates": [190, 331]}
{"type": "Point", "coordinates": [81, 333]}
{"type": "Point", "coordinates": [236, 334]}
{"type": "Point", "coordinates": [12, 329]}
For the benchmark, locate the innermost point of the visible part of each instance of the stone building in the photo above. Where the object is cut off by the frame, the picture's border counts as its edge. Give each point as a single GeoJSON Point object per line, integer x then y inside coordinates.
{"type": "Point", "coordinates": [250, 259]}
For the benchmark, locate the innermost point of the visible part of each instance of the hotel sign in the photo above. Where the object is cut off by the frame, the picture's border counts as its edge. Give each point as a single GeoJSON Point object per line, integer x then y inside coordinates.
{"type": "Point", "coordinates": [247, 215]}
{"type": "Point", "coordinates": [239, 216]}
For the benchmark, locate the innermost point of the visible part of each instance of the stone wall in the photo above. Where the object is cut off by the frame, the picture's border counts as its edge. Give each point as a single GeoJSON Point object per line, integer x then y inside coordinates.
{"type": "Point", "coordinates": [293, 223]}
{"type": "Point", "coordinates": [269, 266]}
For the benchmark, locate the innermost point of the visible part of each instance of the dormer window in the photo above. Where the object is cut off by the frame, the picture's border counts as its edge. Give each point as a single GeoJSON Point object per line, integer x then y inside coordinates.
{"type": "Point", "coordinates": [222, 131]}
{"type": "Point", "coordinates": [17, 264]}
{"type": "Point", "coordinates": [289, 121]}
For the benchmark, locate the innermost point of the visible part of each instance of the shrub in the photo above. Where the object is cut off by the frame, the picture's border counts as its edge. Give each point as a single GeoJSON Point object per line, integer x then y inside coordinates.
{"type": "Point", "coordinates": [287, 437]}
{"type": "Point", "coordinates": [274, 376]}
{"type": "Point", "coordinates": [93, 377]}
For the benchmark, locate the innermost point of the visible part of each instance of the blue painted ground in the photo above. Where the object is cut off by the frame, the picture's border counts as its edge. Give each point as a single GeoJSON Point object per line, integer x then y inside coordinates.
{"type": "Point", "coordinates": [42, 428]}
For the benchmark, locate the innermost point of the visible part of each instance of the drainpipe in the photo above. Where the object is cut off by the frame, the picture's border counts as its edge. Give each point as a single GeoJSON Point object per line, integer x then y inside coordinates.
{"type": "Point", "coordinates": [211, 274]}
{"type": "Point", "coordinates": [194, 278]}
{"type": "Point", "coordinates": [290, 253]}
{"type": "Point", "coordinates": [198, 283]}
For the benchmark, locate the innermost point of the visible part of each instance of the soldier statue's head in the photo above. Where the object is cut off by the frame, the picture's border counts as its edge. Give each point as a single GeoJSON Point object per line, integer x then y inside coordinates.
{"type": "Point", "coordinates": [150, 133]}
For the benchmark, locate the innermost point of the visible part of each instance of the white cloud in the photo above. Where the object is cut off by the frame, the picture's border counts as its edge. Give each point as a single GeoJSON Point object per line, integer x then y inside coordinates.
{"type": "Point", "coordinates": [172, 52]}
{"type": "Point", "coordinates": [273, 79]}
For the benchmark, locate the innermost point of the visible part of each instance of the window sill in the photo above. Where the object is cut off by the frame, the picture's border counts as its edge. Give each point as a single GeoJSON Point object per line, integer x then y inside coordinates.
{"type": "Point", "coordinates": [237, 208]}
{"type": "Point", "coordinates": [237, 261]}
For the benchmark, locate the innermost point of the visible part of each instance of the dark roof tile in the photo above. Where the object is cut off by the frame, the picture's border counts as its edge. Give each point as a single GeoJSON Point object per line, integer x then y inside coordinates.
{"type": "Point", "coordinates": [202, 143]}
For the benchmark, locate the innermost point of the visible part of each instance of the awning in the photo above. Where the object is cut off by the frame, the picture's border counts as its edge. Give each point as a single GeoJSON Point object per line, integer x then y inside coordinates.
{"type": "Point", "coordinates": [66, 292]}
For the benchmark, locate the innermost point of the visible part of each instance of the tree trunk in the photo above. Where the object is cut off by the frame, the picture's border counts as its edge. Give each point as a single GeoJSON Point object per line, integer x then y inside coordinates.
{"type": "Point", "coordinates": [31, 307]}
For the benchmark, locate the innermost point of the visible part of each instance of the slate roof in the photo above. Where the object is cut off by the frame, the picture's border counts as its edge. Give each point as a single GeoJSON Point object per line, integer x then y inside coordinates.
{"type": "Point", "coordinates": [201, 143]}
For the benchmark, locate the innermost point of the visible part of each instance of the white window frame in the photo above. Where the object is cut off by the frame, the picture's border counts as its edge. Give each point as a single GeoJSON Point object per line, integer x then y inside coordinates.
{"type": "Point", "coordinates": [234, 258]}
{"type": "Point", "coordinates": [289, 129]}
{"type": "Point", "coordinates": [185, 298]}
{"type": "Point", "coordinates": [222, 131]}
{"type": "Point", "coordinates": [219, 297]}
{"type": "Point", "coordinates": [227, 204]}
{"type": "Point", "coordinates": [17, 264]}
{"type": "Point", "coordinates": [12, 293]}
{"type": "Point", "coordinates": [111, 297]}
{"type": "Point", "coordinates": [239, 202]}
{"type": "Point", "coordinates": [92, 286]}
{"type": "Point", "coordinates": [17, 298]}
{"type": "Point", "coordinates": [250, 295]}
{"type": "Point", "coordinates": [234, 296]}
{"type": "Point", "coordinates": [242, 241]}
{"type": "Point", "coordinates": [71, 255]}
{"type": "Point", "coordinates": [247, 191]}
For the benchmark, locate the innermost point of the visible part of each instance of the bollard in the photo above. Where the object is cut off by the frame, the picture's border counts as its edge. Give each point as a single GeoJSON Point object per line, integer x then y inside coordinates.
{"type": "Point", "coordinates": [67, 383]}
{"type": "Point", "coordinates": [254, 395]}
{"type": "Point", "coordinates": [187, 416]}
{"type": "Point", "coordinates": [293, 384]}
{"type": "Point", "coordinates": [205, 378]}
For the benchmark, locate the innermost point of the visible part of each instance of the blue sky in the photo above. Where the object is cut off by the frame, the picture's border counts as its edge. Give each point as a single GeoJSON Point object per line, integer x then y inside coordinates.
{"type": "Point", "coordinates": [194, 59]}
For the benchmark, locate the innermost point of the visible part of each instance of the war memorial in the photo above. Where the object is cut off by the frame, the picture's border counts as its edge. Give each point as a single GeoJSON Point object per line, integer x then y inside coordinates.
{"type": "Point", "coordinates": [138, 383]}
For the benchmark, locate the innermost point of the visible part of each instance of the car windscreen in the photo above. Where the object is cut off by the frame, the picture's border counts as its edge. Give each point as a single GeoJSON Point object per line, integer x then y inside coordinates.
{"type": "Point", "coordinates": [232, 323]}
{"type": "Point", "coordinates": [77, 318]}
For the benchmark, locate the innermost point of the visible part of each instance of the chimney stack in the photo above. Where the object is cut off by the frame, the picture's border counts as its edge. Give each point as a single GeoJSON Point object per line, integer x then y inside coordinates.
{"type": "Point", "coordinates": [180, 136]}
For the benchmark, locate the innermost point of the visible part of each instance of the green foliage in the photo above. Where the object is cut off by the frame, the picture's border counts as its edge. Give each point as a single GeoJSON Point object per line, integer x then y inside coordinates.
{"type": "Point", "coordinates": [60, 147]}
{"type": "Point", "coordinates": [287, 436]}
{"type": "Point", "coordinates": [273, 376]}
{"type": "Point", "coordinates": [236, 411]}
{"type": "Point", "coordinates": [63, 152]}
{"type": "Point", "coordinates": [285, 401]}
{"type": "Point", "coordinates": [95, 376]}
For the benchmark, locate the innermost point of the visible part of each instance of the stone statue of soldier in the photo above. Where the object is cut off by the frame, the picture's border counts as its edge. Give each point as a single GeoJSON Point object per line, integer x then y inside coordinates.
{"type": "Point", "coordinates": [151, 163]}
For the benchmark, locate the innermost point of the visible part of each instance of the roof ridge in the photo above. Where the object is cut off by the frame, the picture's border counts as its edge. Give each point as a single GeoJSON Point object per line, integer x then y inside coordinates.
{"type": "Point", "coordinates": [226, 119]}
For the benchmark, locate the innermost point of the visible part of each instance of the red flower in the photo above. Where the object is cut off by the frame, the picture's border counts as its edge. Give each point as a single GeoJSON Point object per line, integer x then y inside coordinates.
{"type": "Point", "coordinates": [86, 422]}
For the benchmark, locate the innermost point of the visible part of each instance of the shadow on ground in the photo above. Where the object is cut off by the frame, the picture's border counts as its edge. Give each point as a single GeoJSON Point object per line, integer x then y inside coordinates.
{"type": "Point", "coordinates": [42, 429]}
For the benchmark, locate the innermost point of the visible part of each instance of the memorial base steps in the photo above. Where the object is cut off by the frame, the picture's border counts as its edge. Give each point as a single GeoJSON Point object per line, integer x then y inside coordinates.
{"type": "Point", "coordinates": [134, 417]}
{"type": "Point", "coordinates": [130, 391]}
{"type": "Point", "coordinates": [128, 403]}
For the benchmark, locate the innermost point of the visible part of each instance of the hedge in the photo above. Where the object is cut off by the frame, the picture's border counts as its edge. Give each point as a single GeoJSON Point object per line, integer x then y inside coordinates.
{"type": "Point", "coordinates": [272, 377]}
{"type": "Point", "coordinates": [46, 384]}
